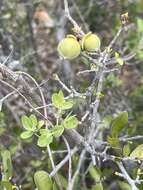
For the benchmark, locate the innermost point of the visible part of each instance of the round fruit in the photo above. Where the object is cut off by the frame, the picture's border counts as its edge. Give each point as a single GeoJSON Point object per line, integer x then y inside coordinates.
{"type": "Point", "coordinates": [69, 47]}
{"type": "Point", "coordinates": [42, 180]}
{"type": "Point", "coordinates": [90, 42]}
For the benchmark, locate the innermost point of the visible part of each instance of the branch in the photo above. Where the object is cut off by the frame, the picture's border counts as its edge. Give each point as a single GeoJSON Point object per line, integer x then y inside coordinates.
{"type": "Point", "coordinates": [70, 161]}
{"type": "Point", "coordinates": [62, 163]}
{"type": "Point", "coordinates": [74, 23]}
{"type": "Point", "coordinates": [80, 162]}
{"type": "Point", "coordinates": [126, 176]}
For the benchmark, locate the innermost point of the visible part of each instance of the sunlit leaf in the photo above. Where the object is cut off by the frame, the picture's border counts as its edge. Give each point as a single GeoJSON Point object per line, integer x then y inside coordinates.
{"type": "Point", "coordinates": [126, 150]}
{"type": "Point", "coordinates": [44, 131]}
{"type": "Point", "coordinates": [34, 120]}
{"type": "Point", "coordinates": [58, 99]}
{"type": "Point", "coordinates": [58, 130]}
{"type": "Point", "coordinates": [59, 102]}
{"type": "Point", "coordinates": [137, 152]}
{"type": "Point", "coordinates": [27, 123]}
{"type": "Point", "coordinates": [44, 140]}
{"type": "Point", "coordinates": [26, 134]}
{"type": "Point", "coordinates": [40, 124]}
{"type": "Point", "coordinates": [5, 185]}
{"type": "Point", "coordinates": [43, 181]}
{"type": "Point", "coordinates": [114, 142]}
{"type": "Point", "coordinates": [67, 105]}
{"type": "Point", "coordinates": [118, 59]}
{"type": "Point", "coordinates": [7, 165]}
{"type": "Point", "coordinates": [70, 122]}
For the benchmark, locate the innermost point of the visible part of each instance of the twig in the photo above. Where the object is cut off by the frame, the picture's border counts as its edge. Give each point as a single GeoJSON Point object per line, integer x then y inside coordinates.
{"type": "Point", "coordinates": [125, 139]}
{"type": "Point", "coordinates": [53, 166]}
{"type": "Point", "coordinates": [46, 116]}
{"type": "Point", "coordinates": [80, 162]}
{"type": "Point", "coordinates": [67, 13]}
{"type": "Point", "coordinates": [7, 96]}
{"type": "Point", "coordinates": [8, 57]}
{"type": "Point", "coordinates": [63, 85]}
{"type": "Point", "coordinates": [126, 176]}
{"type": "Point", "coordinates": [70, 161]}
{"type": "Point", "coordinates": [102, 60]}
{"type": "Point", "coordinates": [17, 90]}
{"type": "Point", "coordinates": [60, 165]}
{"type": "Point", "coordinates": [85, 72]}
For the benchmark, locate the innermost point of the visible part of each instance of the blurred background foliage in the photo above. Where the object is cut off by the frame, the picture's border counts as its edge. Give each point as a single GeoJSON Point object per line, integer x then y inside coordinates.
{"type": "Point", "coordinates": [30, 31]}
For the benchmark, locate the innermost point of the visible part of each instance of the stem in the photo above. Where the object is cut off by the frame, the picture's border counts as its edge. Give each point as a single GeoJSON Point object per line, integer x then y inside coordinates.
{"type": "Point", "coordinates": [126, 176]}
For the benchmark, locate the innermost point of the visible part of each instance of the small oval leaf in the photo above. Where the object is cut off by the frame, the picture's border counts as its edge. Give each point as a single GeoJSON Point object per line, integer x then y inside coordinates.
{"type": "Point", "coordinates": [58, 130]}
{"type": "Point", "coordinates": [33, 119]}
{"type": "Point", "coordinates": [27, 123]}
{"type": "Point", "coordinates": [71, 122]}
{"type": "Point", "coordinates": [44, 140]}
{"type": "Point", "coordinates": [26, 134]}
{"type": "Point", "coordinates": [42, 180]}
{"type": "Point", "coordinates": [119, 123]}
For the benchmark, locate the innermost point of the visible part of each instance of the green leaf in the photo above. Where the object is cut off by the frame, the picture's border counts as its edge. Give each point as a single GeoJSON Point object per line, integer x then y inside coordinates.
{"type": "Point", "coordinates": [118, 59]}
{"type": "Point", "coordinates": [137, 152]}
{"type": "Point", "coordinates": [45, 139]}
{"type": "Point", "coordinates": [59, 102]}
{"type": "Point", "coordinates": [70, 122]}
{"type": "Point", "coordinates": [44, 131]}
{"type": "Point", "coordinates": [98, 187]}
{"type": "Point", "coordinates": [119, 123]}
{"type": "Point", "coordinates": [67, 105]}
{"type": "Point", "coordinates": [26, 134]}
{"type": "Point", "coordinates": [126, 150]}
{"type": "Point", "coordinates": [58, 130]}
{"type": "Point", "coordinates": [33, 119]}
{"type": "Point", "coordinates": [140, 54]}
{"type": "Point", "coordinates": [7, 165]}
{"type": "Point", "coordinates": [114, 142]}
{"type": "Point", "coordinates": [95, 173]}
{"type": "Point", "coordinates": [55, 186]}
{"type": "Point", "coordinates": [64, 180]}
{"type": "Point", "coordinates": [124, 186]}
{"type": "Point", "coordinates": [117, 55]}
{"type": "Point", "coordinates": [140, 25]}
{"type": "Point", "coordinates": [40, 124]}
{"type": "Point", "coordinates": [5, 185]}
{"type": "Point", "coordinates": [43, 181]}
{"type": "Point", "coordinates": [58, 99]}
{"type": "Point", "coordinates": [28, 123]}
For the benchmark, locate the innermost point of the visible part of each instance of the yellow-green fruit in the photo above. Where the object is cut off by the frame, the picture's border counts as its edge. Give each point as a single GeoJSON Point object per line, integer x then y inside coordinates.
{"type": "Point", "coordinates": [90, 42]}
{"type": "Point", "coordinates": [42, 180]}
{"type": "Point", "coordinates": [69, 47]}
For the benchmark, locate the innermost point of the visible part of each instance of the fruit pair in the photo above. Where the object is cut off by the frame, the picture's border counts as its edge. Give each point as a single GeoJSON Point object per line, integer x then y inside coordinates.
{"type": "Point", "coordinates": [70, 47]}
